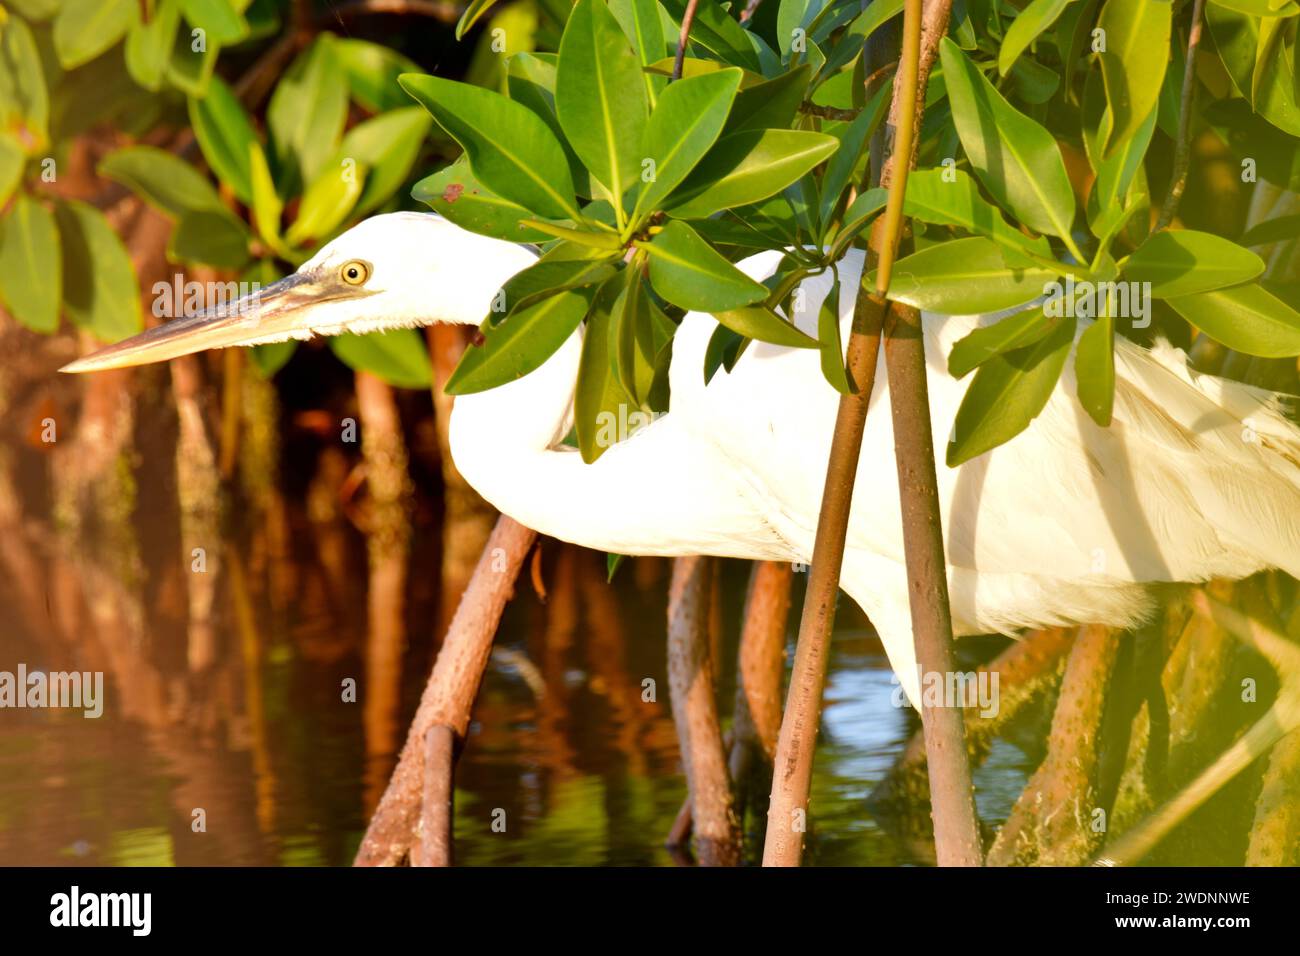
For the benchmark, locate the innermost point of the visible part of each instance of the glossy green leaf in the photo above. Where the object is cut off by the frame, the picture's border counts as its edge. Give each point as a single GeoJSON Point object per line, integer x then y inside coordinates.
{"type": "Point", "coordinates": [966, 277]}
{"type": "Point", "coordinates": [327, 202]}
{"type": "Point", "coordinates": [746, 167]}
{"type": "Point", "coordinates": [830, 343]}
{"type": "Point", "coordinates": [1108, 208]}
{"type": "Point", "coordinates": [224, 133]}
{"type": "Point", "coordinates": [308, 109]}
{"type": "Point", "coordinates": [100, 292]}
{"type": "Point", "coordinates": [31, 265]}
{"type": "Point", "coordinates": [600, 402]}
{"type": "Point", "coordinates": [689, 273]}
{"type": "Point", "coordinates": [1133, 63]}
{"type": "Point", "coordinates": [771, 104]}
{"type": "Point", "coordinates": [517, 346]}
{"type": "Point", "coordinates": [1031, 22]}
{"type": "Point", "coordinates": [949, 197]}
{"type": "Point", "coordinates": [1247, 318]}
{"type": "Point", "coordinates": [372, 71]}
{"type": "Point", "coordinates": [549, 275]}
{"type": "Point", "coordinates": [1260, 8]}
{"type": "Point", "coordinates": [643, 24]}
{"type": "Point", "coordinates": [474, 10]}
{"type": "Point", "coordinates": [860, 212]}
{"type": "Point", "coordinates": [1016, 159]}
{"type": "Point", "coordinates": [511, 150]}
{"type": "Point", "coordinates": [453, 192]}
{"type": "Point", "coordinates": [267, 207]}
{"type": "Point", "coordinates": [149, 45]}
{"type": "Point", "coordinates": [397, 356]}
{"type": "Point", "coordinates": [1007, 394]}
{"type": "Point", "coordinates": [761, 323]}
{"type": "Point", "coordinates": [1094, 369]}
{"type": "Point", "coordinates": [387, 146]}
{"type": "Point", "coordinates": [682, 129]}
{"type": "Point", "coordinates": [192, 65]}
{"type": "Point", "coordinates": [1005, 335]}
{"type": "Point", "coordinates": [1183, 262]}
{"type": "Point", "coordinates": [600, 97]}
{"type": "Point", "coordinates": [716, 31]}
{"type": "Point", "coordinates": [84, 29]}
{"type": "Point", "coordinates": [638, 334]}
{"type": "Point", "coordinates": [163, 179]}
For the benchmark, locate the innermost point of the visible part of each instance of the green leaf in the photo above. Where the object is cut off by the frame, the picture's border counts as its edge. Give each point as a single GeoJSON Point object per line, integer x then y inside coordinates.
{"type": "Point", "coordinates": [612, 563]}
{"type": "Point", "coordinates": [745, 167]}
{"type": "Point", "coordinates": [224, 133]}
{"type": "Point", "coordinates": [839, 171]}
{"type": "Point", "coordinates": [1273, 230]}
{"type": "Point", "coordinates": [267, 207]}
{"type": "Point", "coordinates": [689, 273]}
{"type": "Point", "coordinates": [1007, 394]}
{"type": "Point", "coordinates": [327, 202]}
{"type": "Point", "coordinates": [1247, 318]}
{"type": "Point", "coordinates": [31, 264]}
{"type": "Point", "coordinates": [643, 25]}
{"type": "Point", "coordinates": [771, 104]}
{"type": "Point", "coordinates": [387, 146]}
{"type": "Point", "coordinates": [220, 18]}
{"type": "Point", "coordinates": [600, 97]}
{"type": "Point", "coordinates": [1260, 8]}
{"type": "Point", "coordinates": [558, 271]}
{"type": "Point", "coordinates": [372, 71]}
{"type": "Point", "coordinates": [308, 109]}
{"type": "Point", "coordinates": [599, 397]}
{"type": "Point", "coordinates": [1107, 209]}
{"type": "Point", "coordinates": [511, 150]}
{"type": "Point", "coordinates": [149, 45]}
{"type": "Point", "coordinates": [1133, 63]}
{"type": "Point", "coordinates": [12, 160]}
{"type": "Point", "coordinates": [397, 356]}
{"type": "Point", "coordinates": [473, 11]}
{"type": "Point", "coordinates": [1183, 262]}
{"type": "Point", "coordinates": [761, 323]}
{"type": "Point", "coordinates": [949, 197]}
{"type": "Point", "coordinates": [682, 129]}
{"type": "Point", "coordinates": [831, 345]}
{"type": "Point", "coordinates": [1017, 160]}
{"type": "Point", "coordinates": [100, 292]}
{"type": "Point", "coordinates": [1025, 28]}
{"type": "Point", "coordinates": [520, 344]}
{"type": "Point", "coordinates": [1094, 368]}
{"type": "Point", "coordinates": [163, 179]}
{"type": "Point", "coordinates": [454, 193]}
{"type": "Point", "coordinates": [638, 334]}
{"type": "Point", "coordinates": [715, 30]}
{"type": "Point", "coordinates": [191, 70]}
{"type": "Point", "coordinates": [1005, 335]}
{"type": "Point", "coordinates": [24, 100]}
{"type": "Point", "coordinates": [860, 212]}
{"type": "Point", "coordinates": [966, 277]}
{"type": "Point", "coordinates": [86, 28]}
{"type": "Point", "coordinates": [209, 238]}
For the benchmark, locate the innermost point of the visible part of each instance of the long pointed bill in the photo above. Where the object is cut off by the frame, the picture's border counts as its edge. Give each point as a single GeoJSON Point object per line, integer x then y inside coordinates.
{"type": "Point", "coordinates": [274, 312]}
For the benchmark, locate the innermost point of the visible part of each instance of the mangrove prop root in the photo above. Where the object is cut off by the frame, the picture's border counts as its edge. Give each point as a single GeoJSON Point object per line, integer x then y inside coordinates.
{"type": "Point", "coordinates": [449, 695]}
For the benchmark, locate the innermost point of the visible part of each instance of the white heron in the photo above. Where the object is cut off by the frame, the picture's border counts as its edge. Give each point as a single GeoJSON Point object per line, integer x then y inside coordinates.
{"type": "Point", "coordinates": [1197, 477]}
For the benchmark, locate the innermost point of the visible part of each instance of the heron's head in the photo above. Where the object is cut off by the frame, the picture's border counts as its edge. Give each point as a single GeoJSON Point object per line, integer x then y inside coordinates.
{"type": "Point", "coordinates": [398, 270]}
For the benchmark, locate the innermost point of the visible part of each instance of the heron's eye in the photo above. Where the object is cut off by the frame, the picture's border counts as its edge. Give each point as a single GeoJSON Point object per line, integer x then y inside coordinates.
{"type": "Point", "coordinates": [355, 272]}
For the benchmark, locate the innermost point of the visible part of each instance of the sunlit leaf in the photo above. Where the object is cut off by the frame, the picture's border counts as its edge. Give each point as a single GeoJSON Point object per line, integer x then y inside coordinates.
{"type": "Point", "coordinates": [689, 273]}
{"type": "Point", "coordinates": [149, 45]}
{"type": "Point", "coordinates": [1134, 61]}
{"type": "Point", "coordinates": [308, 109]}
{"type": "Point", "coordinates": [1005, 335]}
{"type": "Point", "coordinates": [1038, 16]}
{"type": "Point", "coordinates": [1182, 262]}
{"type": "Point", "coordinates": [453, 192]}
{"type": "Point", "coordinates": [372, 71]}
{"type": "Point", "coordinates": [831, 345]}
{"type": "Point", "coordinates": [387, 147]}
{"type": "Point", "coordinates": [511, 150]}
{"type": "Point", "coordinates": [1247, 318]}
{"type": "Point", "coordinates": [716, 31]}
{"type": "Point", "coordinates": [1094, 368]}
{"type": "Point", "coordinates": [950, 197]}
{"type": "Point", "coordinates": [599, 399]}
{"type": "Point", "coordinates": [966, 277]}
{"type": "Point", "coordinates": [204, 237]}
{"type": "Point", "coordinates": [1015, 158]}
{"type": "Point", "coordinates": [1007, 393]}
{"type": "Point", "coordinates": [326, 203]}
{"type": "Point", "coordinates": [162, 179]}
{"type": "Point", "coordinates": [84, 29]}
{"type": "Point", "coordinates": [397, 356]}
{"type": "Point", "coordinates": [224, 133]}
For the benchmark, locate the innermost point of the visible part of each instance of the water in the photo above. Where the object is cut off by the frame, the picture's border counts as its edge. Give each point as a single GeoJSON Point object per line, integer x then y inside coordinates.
{"type": "Point", "coordinates": [238, 748]}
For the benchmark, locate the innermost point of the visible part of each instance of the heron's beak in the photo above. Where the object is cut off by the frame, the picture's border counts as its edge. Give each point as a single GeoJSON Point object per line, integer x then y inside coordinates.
{"type": "Point", "coordinates": [276, 311]}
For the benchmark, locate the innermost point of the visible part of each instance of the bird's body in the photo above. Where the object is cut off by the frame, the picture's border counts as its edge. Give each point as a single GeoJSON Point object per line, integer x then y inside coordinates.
{"type": "Point", "coordinates": [1196, 477]}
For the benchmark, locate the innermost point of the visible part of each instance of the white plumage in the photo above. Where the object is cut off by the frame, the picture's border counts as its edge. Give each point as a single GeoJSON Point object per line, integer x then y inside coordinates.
{"type": "Point", "coordinates": [1197, 477]}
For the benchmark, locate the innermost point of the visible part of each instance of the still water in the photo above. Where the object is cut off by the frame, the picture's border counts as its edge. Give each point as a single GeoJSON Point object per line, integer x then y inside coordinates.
{"type": "Point", "coordinates": [228, 738]}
